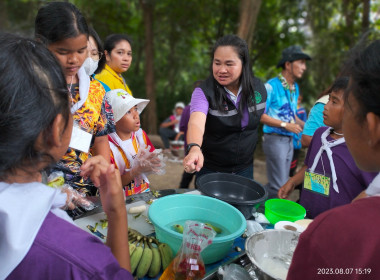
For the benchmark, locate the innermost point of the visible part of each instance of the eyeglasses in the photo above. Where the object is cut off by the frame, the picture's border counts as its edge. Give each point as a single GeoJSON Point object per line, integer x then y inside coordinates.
{"type": "Point", "coordinates": [96, 55]}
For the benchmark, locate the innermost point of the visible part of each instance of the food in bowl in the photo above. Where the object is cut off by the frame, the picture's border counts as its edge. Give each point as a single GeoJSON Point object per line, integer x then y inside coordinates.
{"type": "Point", "coordinates": [165, 212]}
{"type": "Point", "coordinates": [271, 252]}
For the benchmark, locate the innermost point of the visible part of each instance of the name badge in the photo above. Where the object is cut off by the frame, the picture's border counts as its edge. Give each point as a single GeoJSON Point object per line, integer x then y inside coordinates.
{"type": "Point", "coordinates": [317, 183]}
{"type": "Point", "coordinates": [80, 140]}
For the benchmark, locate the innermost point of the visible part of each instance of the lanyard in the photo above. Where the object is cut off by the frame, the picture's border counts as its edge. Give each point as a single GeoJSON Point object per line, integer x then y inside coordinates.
{"type": "Point", "coordinates": [326, 146]}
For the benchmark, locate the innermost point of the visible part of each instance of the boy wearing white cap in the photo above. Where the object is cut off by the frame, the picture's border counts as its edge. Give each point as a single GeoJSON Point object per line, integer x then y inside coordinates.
{"type": "Point", "coordinates": [131, 150]}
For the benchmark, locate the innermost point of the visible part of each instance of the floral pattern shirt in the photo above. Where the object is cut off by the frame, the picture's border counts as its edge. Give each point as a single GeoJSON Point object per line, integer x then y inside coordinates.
{"type": "Point", "coordinates": [95, 117]}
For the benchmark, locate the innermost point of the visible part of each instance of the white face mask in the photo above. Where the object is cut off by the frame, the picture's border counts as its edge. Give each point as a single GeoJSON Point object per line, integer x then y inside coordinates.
{"type": "Point", "coordinates": [90, 65]}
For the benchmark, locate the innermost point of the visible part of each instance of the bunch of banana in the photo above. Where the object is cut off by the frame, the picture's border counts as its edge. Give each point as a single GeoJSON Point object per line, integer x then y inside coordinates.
{"type": "Point", "coordinates": [147, 254]}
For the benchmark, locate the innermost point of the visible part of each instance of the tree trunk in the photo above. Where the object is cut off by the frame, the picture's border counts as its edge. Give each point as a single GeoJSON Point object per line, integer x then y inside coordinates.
{"type": "Point", "coordinates": [3, 16]}
{"type": "Point", "coordinates": [349, 10]}
{"type": "Point", "coordinates": [249, 10]}
{"type": "Point", "coordinates": [365, 19]}
{"type": "Point", "coordinates": [148, 11]}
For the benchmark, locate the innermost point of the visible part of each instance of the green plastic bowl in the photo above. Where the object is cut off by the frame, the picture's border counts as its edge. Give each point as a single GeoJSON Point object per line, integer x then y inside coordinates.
{"type": "Point", "coordinates": [277, 210]}
{"type": "Point", "coordinates": [176, 209]}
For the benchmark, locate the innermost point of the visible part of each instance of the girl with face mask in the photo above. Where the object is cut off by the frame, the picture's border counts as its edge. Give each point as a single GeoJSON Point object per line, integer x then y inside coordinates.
{"type": "Point", "coordinates": [63, 29]}
{"type": "Point", "coordinates": [93, 63]}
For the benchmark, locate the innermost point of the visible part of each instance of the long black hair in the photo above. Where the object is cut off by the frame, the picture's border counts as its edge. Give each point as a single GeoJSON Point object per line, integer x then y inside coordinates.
{"type": "Point", "coordinates": [364, 69]}
{"type": "Point", "coordinates": [246, 78]}
{"type": "Point", "coordinates": [57, 21]}
{"type": "Point", "coordinates": [32, 92]}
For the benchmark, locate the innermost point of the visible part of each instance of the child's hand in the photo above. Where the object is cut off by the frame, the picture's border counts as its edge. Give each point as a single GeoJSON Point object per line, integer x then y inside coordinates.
{"type": "Point", "coordinates": [107, 178]}
{"type": "Point", "coordinates": [147, 162]}
{"type": "Point", "coordinates": [286, 189]}
{"type": "Point", "coordinates": [75, 199]}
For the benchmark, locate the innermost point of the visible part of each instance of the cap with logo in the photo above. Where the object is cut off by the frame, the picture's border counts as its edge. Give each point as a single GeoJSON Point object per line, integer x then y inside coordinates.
{"type": "Point", "coordinates": [121, 102]}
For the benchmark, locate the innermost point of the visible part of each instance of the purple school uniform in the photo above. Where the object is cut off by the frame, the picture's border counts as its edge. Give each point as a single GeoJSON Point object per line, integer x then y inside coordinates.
{"type": "Point", "coordinates": [64, 251]}
{"type": "Point", "coordinates": [340, 244]}
{"type": "Point", "coordinates": [350, 179]}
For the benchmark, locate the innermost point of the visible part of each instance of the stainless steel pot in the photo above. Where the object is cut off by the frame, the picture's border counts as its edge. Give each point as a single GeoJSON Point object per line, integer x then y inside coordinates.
{"type": "Point", "coordinates": [271, 252]}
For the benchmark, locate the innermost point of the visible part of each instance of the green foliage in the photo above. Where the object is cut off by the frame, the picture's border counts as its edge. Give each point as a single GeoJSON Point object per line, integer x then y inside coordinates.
{"type": "Point", "coordinates": [185, 31]}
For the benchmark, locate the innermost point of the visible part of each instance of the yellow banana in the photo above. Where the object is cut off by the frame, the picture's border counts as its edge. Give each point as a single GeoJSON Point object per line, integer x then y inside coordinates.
{"type": "Point", "coordinates": [145, 261]}
{"type": "Point", "coordinates": [155, 267]}
{"type": "Point", "coordinates": [136, 256]}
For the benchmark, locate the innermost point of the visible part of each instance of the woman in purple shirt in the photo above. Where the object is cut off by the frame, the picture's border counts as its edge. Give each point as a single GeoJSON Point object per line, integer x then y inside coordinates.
{"type": "Point", "coordinates": [225, 113]}
{"type": "Point", "coordinates": [38, 239]}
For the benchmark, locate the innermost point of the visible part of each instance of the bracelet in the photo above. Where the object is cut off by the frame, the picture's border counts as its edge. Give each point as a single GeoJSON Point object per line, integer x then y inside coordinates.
{"type": "Point", "coordinates": [190, 145]}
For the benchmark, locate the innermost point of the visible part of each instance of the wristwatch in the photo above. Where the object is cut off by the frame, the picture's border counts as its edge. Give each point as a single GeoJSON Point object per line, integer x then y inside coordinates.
{"type": "Point", "coordinates": [190, 145]}
{"type": "Point", "coordinates": [283, 124]}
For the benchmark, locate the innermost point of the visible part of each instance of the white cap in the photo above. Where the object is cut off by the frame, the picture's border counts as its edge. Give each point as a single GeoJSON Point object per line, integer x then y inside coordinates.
{"type": "Point", "coordinates": [121, 102]}
{"type": "Point", "coordinates": [179, 105]}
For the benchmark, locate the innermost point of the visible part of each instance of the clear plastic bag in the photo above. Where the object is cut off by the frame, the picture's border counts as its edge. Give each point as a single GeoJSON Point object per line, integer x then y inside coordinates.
{"type": "Point", "coordinates": [147, 162]}
{"type": "Point", "coordinates": [260, 218]}
{"type": "Point", "coordinates": [233, 271]}
{"type": "Point", "coordinates": [74, 198]}
{"type": "Point", "coordinates": [188, 263]}
{"type": "Point", "coordinates": [252, 227]}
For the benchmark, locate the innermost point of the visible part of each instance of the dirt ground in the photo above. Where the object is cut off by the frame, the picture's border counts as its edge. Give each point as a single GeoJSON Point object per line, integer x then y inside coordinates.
{"type": "Point", "coordinates": [174, 170]}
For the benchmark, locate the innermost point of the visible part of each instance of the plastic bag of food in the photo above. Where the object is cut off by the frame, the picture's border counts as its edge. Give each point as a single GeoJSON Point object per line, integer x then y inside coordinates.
{"type": "Point", "coordinates": [74, 198]}
{"type": "Point", "coordinates": [188, 263]}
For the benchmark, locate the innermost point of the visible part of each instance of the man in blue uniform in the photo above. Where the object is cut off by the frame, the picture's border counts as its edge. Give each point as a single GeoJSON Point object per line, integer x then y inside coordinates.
{"type": "Point", "coordinates": [280, 119]}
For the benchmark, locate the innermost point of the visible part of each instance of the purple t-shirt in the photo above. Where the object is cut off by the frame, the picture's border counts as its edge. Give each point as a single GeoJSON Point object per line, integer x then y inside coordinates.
{"type": "Point", "coordinates": [199, 103]}
{"type": "Point", "coordinates": [350, 179]}
{"type": "Point", "coordinates": [340, 244]}
{"type": "Point", "coordinates": [64, 251]}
